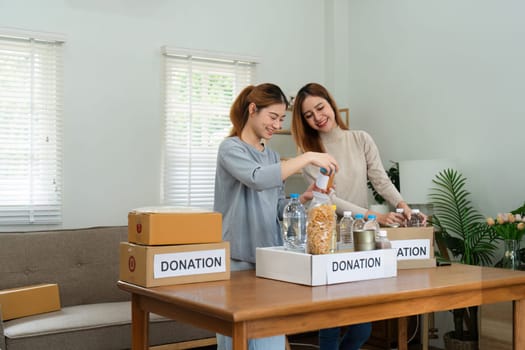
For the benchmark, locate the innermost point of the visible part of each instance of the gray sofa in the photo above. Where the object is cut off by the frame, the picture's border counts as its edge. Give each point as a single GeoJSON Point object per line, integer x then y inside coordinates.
{"type": "Point", "coordinates": [95, 314]}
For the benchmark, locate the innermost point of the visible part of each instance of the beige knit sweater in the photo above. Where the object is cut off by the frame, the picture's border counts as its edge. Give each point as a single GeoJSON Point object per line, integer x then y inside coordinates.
{"type": "Point", "coordinates": [359, 160]}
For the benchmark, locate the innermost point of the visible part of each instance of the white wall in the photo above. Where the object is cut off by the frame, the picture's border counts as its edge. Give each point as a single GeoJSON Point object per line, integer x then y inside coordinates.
{"type": "Point", "coordinates": [426, 79]}
{"type": "Point", "coordinates": [444, 79]}
{"type": "Point", "coordinates": [112, 96]}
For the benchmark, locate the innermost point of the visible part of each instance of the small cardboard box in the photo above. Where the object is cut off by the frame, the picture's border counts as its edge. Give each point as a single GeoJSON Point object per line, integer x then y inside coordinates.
{"type": "Point", "coordinates": [30, 300]}
{"type": "Point", "coordinates": [315, 270]}
{"type": "Point", "coordinates": [152, 266]}
{"type": "Point", "coordinates": [169, 226]}
{"type": "Point", "coordinates": [414, 246]}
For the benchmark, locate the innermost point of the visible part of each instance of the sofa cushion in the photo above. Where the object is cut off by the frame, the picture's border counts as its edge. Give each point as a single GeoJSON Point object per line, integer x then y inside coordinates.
{"type": "Point", "coordinates": [73, 318]}
{"type": "Point", "coordinates": [98, 326]}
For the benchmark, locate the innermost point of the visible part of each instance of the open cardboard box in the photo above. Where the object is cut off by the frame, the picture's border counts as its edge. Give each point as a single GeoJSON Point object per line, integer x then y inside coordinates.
{"type": "Point", "coordinates": [315, 270]}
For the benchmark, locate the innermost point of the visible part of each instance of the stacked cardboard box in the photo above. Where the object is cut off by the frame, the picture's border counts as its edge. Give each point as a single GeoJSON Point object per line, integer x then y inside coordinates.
{"type": "Point", "coordinates": [174, 246]}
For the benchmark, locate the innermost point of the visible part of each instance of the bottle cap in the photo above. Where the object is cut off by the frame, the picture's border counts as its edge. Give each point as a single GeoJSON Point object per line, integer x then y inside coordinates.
{"type": "Point", "coordinates": [415, 211]}
{"type": "Point", "coordinates": [347, 213]}
{"type": "Point", "coordinates": [371, 216]}
{"type": "Point", "coordinates": [359, 216]}
{"type": "Point", "coordinates": [334, 207]}
{"type": "Point", "coordinates": [399, 210]}
{"type": "Point", "coordinates": [294, 195]}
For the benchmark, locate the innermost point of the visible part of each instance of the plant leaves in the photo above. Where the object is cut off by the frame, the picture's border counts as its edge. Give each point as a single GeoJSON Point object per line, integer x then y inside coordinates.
{"type": "Point", "coordinates": [462, 226]}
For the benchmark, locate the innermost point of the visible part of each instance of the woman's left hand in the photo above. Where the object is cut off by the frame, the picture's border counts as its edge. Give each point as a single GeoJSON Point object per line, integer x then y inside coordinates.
{"type": "Point", "coordinates": [390, 219]}
{"type": "Point", "coordinates": [307, 194]}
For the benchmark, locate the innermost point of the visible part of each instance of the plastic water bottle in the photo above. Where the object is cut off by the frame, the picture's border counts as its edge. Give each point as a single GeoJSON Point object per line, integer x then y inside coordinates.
{"type": "Point", "coordinates": [399, 211]}
{"type": "Point", "coordinates": [294, 224]}
{"type": "Point", "coordinates": [372, 225]}
{"type": "Point", "coordinates": [382, 241]}
{"type": "Point", "coordinates": [359, 223]}
{"type": "Point", "coordinates": [346, 232]}
{"type": "Point", "coordinates": [415, 220]}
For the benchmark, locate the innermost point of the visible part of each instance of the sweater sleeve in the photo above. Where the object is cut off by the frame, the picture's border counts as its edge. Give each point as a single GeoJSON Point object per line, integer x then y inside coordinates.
{"type": "Point", "coordinates": [343, 205]}
{"type": "Point", "coordinates": [377, 174]}
{"type": "Point", "coordinates": [246, 170]}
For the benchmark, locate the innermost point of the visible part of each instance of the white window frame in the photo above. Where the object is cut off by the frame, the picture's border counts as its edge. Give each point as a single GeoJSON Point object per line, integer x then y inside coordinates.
{"type": "Point", "coordinates": [31, 105]}
{"type": "Point", "coordinates": [189, 165]}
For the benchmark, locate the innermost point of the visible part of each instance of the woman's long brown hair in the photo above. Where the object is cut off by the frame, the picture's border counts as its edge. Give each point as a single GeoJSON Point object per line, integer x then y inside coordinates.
{"type": "Point", "coordinates": [262, 96]}
{"type": "Point", "coordinates": [305, 137]}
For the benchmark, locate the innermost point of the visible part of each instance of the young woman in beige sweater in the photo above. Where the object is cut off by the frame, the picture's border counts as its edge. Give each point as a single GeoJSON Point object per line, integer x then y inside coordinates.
{"type": "Point", "coordinates": [317, 126]}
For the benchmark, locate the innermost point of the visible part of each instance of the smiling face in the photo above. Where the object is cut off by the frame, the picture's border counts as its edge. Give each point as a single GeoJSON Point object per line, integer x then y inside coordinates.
{"type": "Point", "coordinates": [318, 113]}
{"type": "Point", "coordinates": [266, 121]}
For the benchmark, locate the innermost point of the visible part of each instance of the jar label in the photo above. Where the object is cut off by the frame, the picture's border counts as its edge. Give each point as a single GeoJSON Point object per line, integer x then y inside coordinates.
{"type": "Point", "coordinates": [322, 181]}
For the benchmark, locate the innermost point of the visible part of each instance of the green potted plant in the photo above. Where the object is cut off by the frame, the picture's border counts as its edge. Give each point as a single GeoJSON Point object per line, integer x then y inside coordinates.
{"type": "Point", "coordinates": [461, 229]}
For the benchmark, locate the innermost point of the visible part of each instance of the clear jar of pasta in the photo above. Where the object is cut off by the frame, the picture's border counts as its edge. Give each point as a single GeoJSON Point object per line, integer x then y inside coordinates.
{"type": "Point", "coordinates": [320, 224]}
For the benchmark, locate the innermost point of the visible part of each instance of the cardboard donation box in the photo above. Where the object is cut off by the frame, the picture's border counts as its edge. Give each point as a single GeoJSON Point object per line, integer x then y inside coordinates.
{"type": "Point", "coordinates": [315, 270]}
{"type": "Point", "coordinates": [30, 300]}
{"type": "Point", "coordinates": [414, 246]}
{"type": "Point", "coordinates": [174, 225]}
{"type": "Point", "coordinates": [152, 266]}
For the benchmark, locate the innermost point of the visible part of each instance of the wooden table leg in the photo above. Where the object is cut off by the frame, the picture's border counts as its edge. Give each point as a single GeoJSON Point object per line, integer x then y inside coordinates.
{"type": "Point", "coordinates": [402, 331]}
{"type": "Point", "coordinates": [519, 324]}
{"type": "Point", "coordinates": [139, 325]}
{"type": "Point", "coordinates": [239, 340]}
{"type": "Point", "coordinates": [424, 331]}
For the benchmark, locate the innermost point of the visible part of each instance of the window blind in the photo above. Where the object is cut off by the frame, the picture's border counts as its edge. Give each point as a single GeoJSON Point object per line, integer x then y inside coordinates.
{"type": "Point", "coordinates": [199, 91]}
{"type": "Point", "coordinates": [30, 130]}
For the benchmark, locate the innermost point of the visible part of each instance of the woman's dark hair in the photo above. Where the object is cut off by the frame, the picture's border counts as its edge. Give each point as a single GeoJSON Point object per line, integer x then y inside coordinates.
{"type": "Point", "coordinates": [262, 96]}
{"type": "Point", "coordinates": [306, 138]}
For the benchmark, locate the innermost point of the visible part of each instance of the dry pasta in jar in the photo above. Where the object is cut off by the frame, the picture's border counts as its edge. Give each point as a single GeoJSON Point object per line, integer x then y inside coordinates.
{"type": "Point", "coordinates": [320, 225]}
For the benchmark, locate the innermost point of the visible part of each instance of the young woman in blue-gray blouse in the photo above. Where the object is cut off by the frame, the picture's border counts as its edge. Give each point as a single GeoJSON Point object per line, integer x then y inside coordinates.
{"type": "Point", "coordinates": [249, 183]}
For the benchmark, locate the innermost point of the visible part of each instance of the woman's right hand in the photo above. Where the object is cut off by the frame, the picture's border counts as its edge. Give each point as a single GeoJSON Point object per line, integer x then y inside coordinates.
{"type": "Point", "coordinates": [323, 160]}
{"type": "Point", "coordinates": [389, 219]}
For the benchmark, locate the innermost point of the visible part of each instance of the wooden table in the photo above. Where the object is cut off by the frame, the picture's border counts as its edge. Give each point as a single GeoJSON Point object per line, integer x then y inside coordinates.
{"type": "Point", "coordinates": [250, 307]}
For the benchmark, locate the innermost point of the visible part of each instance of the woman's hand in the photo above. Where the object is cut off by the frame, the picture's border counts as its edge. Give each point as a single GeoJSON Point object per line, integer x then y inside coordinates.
{"type": "Point", "coordinates": [323, 160]}
{"type": "Point", "coordinates": [293, 165]}
{"type": "Point", "coordinates": [389, 219]}
{"type": "Point", "coordinates": [408, 213]}
{"type": "Point", "coordinates": [423, 218]}
{"type": "Point", "coordinates": [307, 194]}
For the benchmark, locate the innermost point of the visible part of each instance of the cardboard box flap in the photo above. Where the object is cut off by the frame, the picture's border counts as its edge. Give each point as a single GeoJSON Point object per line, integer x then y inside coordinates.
{"type": "Point", "coordinates": [168, 210]}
